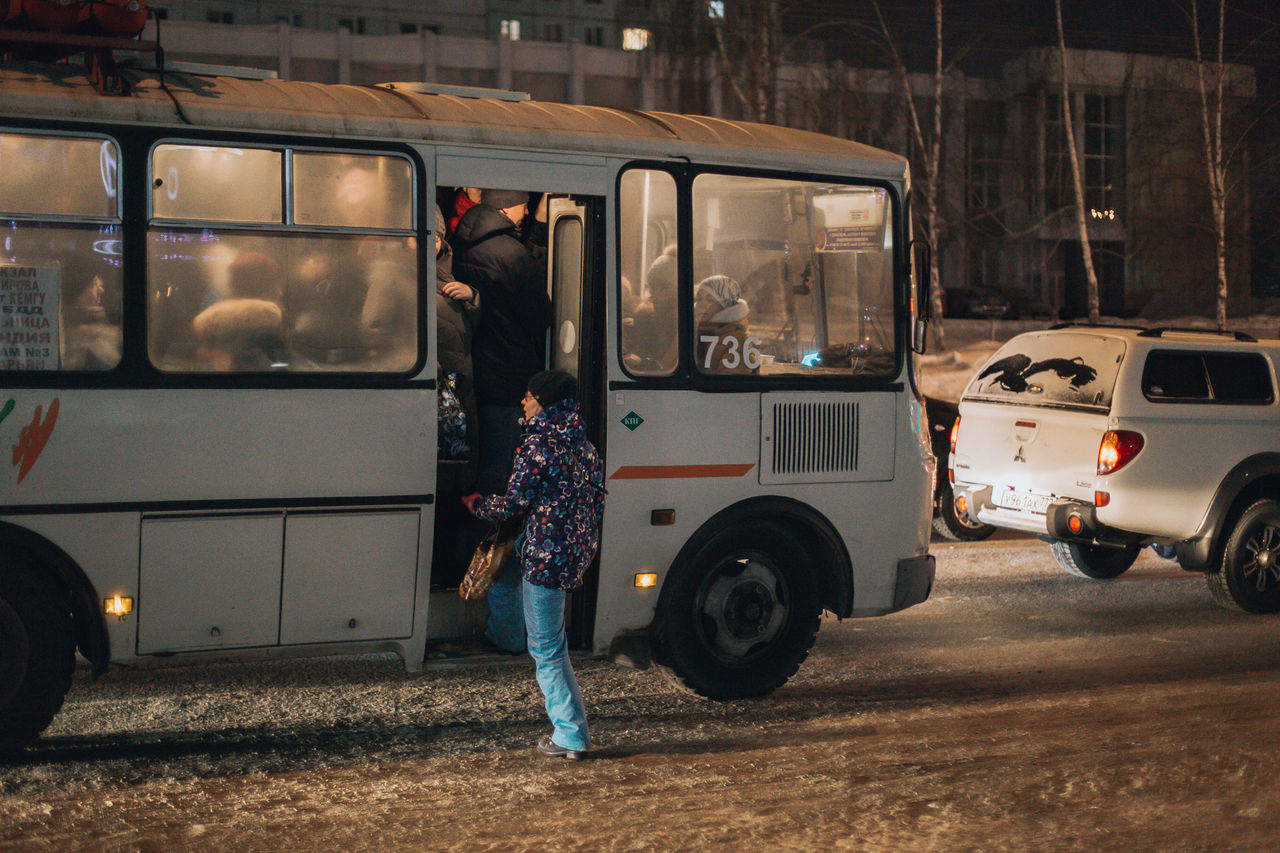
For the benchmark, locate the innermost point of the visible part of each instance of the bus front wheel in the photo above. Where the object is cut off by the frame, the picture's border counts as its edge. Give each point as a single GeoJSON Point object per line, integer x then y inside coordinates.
{"type": "Point", "coordinates": [37, 654]}
{"type": "Point", "coordinates": [741, 614]}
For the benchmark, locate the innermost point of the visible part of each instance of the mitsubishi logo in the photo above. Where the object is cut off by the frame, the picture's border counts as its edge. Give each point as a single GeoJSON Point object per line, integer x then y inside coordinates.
{"type": "Point", "coordinates": [1018, 457]}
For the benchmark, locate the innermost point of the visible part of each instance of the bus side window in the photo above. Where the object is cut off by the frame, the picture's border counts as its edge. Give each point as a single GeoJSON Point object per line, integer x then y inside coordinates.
{"type": "Point", "coordinates": [60, 281]}
{"type": "Point", "coordinates": [326, 292]}
{"type": "Point", "coordinates": [648, 288]}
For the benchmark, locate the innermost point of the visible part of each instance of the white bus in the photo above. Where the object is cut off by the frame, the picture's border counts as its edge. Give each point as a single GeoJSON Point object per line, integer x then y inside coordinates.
{"type": "Point", "coordinates": [211, 452]}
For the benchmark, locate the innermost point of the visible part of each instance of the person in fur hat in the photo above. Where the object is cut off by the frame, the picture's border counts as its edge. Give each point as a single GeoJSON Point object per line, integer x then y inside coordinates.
{"type": "Point", "coordinates": [721, 313]}
{"type": "Point", "coordinates": [245, 331]}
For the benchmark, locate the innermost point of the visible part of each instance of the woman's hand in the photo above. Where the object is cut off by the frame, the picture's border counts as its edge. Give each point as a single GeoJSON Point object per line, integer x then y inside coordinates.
{"type": "Point", "coordinates": [469, 501]}
{"type": "Point", "coordinates": [457, 290]}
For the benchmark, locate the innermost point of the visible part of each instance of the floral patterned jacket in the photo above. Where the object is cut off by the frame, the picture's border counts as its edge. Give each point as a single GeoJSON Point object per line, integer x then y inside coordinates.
{"type": "Point", "coordinates": [557, 485]}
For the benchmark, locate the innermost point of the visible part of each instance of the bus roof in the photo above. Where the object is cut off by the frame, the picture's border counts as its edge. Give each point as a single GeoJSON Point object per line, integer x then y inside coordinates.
{"type": "Point", "coordinates": [404, 111]}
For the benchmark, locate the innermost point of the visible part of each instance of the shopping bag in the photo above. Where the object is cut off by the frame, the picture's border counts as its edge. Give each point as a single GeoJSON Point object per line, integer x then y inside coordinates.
{"type": "Point", "coordinates": [487, 562]}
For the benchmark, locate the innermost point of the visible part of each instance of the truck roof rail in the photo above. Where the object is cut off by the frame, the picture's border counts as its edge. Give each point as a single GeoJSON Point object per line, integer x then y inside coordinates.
{"type": "Point", "coordinates": [1075, 324]}
{"type": "Point", "coordinates": [1158, 331]}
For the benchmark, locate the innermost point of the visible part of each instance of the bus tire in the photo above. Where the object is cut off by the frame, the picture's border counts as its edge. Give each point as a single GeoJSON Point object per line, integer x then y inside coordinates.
{"type": "Point", "coordinates": [37, 654]}
{"type": "Point", "coordinates": [740, 616]}
{"type": "Point", "coordinates": [1100, 562]}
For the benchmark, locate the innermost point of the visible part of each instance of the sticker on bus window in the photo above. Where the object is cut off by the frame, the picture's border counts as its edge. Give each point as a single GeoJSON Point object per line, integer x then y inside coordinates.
{"type": "Point", "coordinates": [29, 317]}
{"type": "Point", "coordinates": [851, 222]}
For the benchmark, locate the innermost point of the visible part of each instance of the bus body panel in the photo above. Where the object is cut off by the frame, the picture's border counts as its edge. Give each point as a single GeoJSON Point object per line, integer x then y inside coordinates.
{"type": "Point", "coordinates": [127, 447]}
{"type": "Point", "coordinates": [255, 528]}
{"type": "Point", "coordinates": [702, 455]}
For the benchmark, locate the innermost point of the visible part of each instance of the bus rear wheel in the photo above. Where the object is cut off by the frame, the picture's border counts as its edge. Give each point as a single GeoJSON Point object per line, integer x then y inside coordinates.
{"type": "Point", "coordinates": [741, 614]}
{"type": "Point", "coordinates": [37, 654]}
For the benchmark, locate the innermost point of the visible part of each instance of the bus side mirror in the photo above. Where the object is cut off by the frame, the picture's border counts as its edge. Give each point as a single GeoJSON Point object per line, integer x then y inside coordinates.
{"type": "Point", "coordinates": [920, 335]}
{"type": "Point", "coordinates": [922, 258]}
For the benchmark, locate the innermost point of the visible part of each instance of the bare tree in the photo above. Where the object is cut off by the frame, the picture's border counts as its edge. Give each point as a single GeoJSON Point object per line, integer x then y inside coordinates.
{"type": "Point", "coordinates": [929, 146]}
{"type": "Point", "coordinates": [748, 38]}
{"type": "Point", "coordinates": [1091, 277]}
{"type": "Point", "coordinates": [1215, 159]}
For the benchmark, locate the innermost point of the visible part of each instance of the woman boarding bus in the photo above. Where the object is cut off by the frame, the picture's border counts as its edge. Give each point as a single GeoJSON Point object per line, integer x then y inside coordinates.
{"type": "Point", "coordinates": [264, 482]}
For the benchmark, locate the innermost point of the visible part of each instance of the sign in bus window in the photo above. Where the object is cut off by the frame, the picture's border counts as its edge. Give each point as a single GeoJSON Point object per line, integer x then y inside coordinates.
{"type": "Point", "coordinates": [217, 184]}
{"type": "Point", "coordinates": [354, 191]}
{"type": "Point", "coordinates": [791, 277]}
{"type": "Point", "coordinates": [58, 175]}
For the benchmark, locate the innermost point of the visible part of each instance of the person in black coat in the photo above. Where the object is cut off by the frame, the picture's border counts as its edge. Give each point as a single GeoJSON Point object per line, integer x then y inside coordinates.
{"type": "Point", "coordinates": [510, 342]}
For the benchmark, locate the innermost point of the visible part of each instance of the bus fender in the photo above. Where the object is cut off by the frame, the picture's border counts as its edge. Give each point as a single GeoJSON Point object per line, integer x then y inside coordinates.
{"type": "Point", "coordinates": [40, 553]}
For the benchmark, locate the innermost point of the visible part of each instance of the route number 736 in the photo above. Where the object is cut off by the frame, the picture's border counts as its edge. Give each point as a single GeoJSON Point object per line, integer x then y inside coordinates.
{"type": "Point", "coordinates": [747, 355]}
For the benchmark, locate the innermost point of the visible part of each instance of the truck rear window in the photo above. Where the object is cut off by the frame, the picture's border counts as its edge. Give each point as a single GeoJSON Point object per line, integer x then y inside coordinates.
{"type": "Point", "coordinates": [1068, 369]}
{"type": "Point", "coordinates": [1187, 376]}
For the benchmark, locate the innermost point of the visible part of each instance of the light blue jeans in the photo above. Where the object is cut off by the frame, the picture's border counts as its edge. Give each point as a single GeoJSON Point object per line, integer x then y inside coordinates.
{"type": "Point", "coordinates": [540, 623]}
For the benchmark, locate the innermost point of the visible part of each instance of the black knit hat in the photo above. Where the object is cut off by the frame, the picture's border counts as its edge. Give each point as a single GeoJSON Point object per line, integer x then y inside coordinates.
{"type": "Point", "coordinates": [552, 386]}
{"type": "Point", "coordinates": [502, 199]}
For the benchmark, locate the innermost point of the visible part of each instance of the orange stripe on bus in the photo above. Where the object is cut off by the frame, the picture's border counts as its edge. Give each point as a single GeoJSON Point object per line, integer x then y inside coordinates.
{"type": "Point", "coordinates": [675, 472]}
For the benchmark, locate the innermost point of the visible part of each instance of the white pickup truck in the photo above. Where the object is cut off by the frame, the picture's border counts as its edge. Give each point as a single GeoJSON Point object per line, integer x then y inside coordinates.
{"type": "Point", "coordinates": [1104, 439]}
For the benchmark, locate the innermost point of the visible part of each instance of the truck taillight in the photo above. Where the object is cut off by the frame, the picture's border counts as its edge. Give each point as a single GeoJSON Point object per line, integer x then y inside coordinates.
{"type": "Point", "coordinates": [1118, 448]}
{"type": "Point", "coordinates": [955, 428]}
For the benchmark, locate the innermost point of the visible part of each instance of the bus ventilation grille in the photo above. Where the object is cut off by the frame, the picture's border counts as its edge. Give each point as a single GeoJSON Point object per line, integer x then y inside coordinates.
{"type": "Point", "coordinates": [815, 438]}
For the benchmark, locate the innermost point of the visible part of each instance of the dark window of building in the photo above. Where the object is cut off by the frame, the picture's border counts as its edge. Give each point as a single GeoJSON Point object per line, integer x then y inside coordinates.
{"type": "Point", "coordinates": [1098, 125]}
{"type": "Point", "coordinates": [985, 133]}
{"type": "Point", "coordinates": [593, 35]}
{"type": "Point", "coordinates": [217, 16]}
{"type": "Point", "coordinates": [1103, 155]}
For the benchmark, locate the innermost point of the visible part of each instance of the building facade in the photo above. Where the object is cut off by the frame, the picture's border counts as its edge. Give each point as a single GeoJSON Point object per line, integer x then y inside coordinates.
{"type": "Point", "coordinates": [1006, 202]}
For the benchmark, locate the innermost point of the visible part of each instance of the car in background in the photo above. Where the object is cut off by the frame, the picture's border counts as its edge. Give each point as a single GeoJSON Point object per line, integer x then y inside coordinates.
{"type": "Point", "coordinates": [947, 522]}
{"type": "Point", "coordinates": [978, 303]}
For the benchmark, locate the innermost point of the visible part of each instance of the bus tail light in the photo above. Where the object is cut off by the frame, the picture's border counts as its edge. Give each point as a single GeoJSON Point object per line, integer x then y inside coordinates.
{"type": "Point", "coordinates": [1101, 498]}
{"type": "Point", "coordinates": [955, 429]}
{"type": "Point", "coordinates": [1118, 448]}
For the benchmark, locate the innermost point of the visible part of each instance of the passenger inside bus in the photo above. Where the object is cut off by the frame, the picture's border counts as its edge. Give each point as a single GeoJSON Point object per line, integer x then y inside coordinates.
{"type": "Point", "coordinates": [90, 338]}
{"type": "Point", "coordinates": [649, 327]}
{"type": "Point", "coordinates": [244, 330]}
{"type": "Point", "coordinates": [464, 198]}
{"type": "Point", "coordinates": [724, 344]}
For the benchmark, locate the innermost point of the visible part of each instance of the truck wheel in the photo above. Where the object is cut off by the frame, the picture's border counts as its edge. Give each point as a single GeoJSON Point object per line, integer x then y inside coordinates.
{"type": "Point", "coordinates": [1100, 562]}
{"type": "Point", "coordinates": [1249, 576]}
{"type": "Point", "coordinates": [741, 615]}
{"type": "Point", "coordinates": [37, 655]}
{"type": "Point", "coordinates": [949, 524]}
